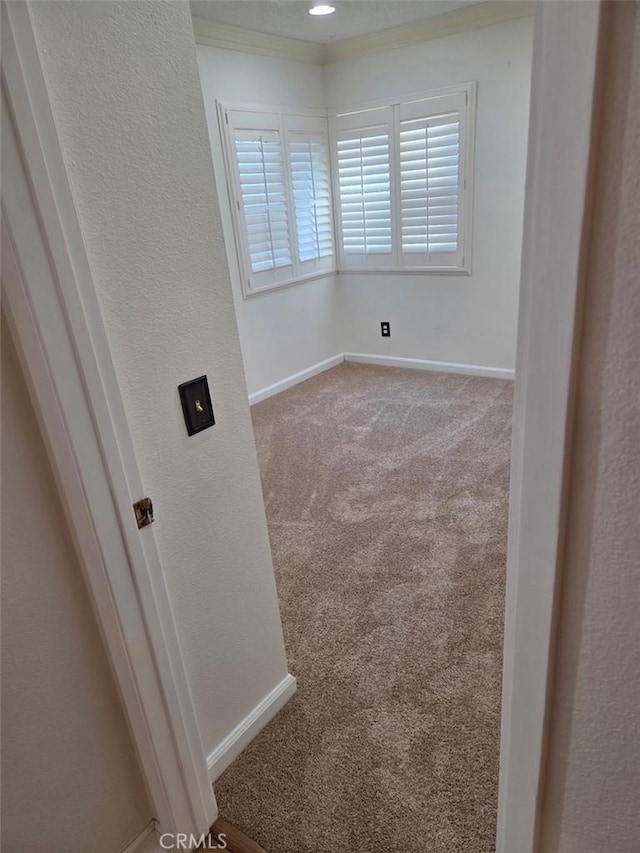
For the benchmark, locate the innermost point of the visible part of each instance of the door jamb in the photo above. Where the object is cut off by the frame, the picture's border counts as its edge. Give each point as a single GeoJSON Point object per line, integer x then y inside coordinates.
{"type": "Point", "coordinates": [50, 299]}
{"type": "Point", "coordinates": [564, 100]}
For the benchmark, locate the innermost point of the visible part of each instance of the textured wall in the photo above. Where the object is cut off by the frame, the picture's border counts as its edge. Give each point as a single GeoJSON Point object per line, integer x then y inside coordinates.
{"type": "Point", "coordinates": [452, 318]}
{"type": "Point", "coordinates": [592, 801]}
{"type": "Point", "coordinates": [67, 758]}
{"type": "Point", "coordinates": [284, 331]}
{"type": "Point", "coordinates": [126, 98]}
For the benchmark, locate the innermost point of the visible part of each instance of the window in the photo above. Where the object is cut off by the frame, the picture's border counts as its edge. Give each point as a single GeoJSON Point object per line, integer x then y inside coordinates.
{"type": "Point", "coordinates": [362, 144]}
{"type": "Point", "coordinates": [403, 184]}
{"type": "Point", "coordinates": [279, 179]}
{"type": "Point", "coordinates": [311, 195]}
{"type": "Point", "coordinates": [396, 178]}
{"type": "Point", "coordinates": [429, 178]}
{"type": "Point", "coordinates": [365, 191]}
{"type": "Point", "coordinates": [263, 199]}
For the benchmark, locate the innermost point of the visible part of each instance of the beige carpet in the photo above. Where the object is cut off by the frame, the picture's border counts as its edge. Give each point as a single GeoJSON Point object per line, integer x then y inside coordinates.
{"type": "Point", "coordinates": [386, 494]}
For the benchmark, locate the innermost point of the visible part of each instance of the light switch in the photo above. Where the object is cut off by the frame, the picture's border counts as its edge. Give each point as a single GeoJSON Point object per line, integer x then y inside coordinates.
{"type": "Point", "coordinates": [196, 405]}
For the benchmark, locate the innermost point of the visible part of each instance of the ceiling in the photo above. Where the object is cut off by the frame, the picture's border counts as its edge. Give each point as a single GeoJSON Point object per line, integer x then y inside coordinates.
{"type": "Point", "coordinates": [291, 18]}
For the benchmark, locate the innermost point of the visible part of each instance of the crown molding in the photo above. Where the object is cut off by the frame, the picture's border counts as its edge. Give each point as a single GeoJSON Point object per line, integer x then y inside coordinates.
{"type": "Point", "coordinates": [263, 44]}
{"type": "Point", "coordinates": [473, 17]}
{"type": "Point", "coordinates": [449, 23]}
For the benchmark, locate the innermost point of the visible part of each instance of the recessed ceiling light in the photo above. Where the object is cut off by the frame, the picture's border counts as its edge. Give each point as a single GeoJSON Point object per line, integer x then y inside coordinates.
{"type": "Point", "coordinates": [322, 9]}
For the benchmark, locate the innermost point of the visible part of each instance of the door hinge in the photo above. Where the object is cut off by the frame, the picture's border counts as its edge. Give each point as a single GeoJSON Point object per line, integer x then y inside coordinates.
{"type": "Point", "coordinates": [143, 510]}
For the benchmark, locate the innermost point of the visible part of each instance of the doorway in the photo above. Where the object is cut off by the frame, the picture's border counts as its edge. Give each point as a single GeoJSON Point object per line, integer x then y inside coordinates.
{"type": "Point", "coordinates": [382, 395]}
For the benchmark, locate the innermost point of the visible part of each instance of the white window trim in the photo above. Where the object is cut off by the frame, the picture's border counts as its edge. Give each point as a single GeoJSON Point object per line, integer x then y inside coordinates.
{"type": "Point", "coordinates": [470, 89]}
{"type": "Point", "coordinates": [241, 256]}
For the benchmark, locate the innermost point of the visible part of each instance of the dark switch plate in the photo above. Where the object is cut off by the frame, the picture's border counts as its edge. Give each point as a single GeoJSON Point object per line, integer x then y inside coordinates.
{"type": "Point", "coordinates": [196, 405]}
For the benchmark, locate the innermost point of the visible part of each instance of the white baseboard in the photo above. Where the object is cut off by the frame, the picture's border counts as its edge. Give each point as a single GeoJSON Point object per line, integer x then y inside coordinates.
{"type": "Point", "coordinates": [147, 841]}
{"type": "Point", "coordinates": [290, 381]}
{"type": "Point", "coordinates": [384, 361]}
{"type": "Point", "coordinates": [253, 723]}
{"type": "Point", "coordinates": [424, 364]}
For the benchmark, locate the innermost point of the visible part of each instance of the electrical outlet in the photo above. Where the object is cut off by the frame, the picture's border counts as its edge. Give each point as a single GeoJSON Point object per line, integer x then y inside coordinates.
{"type": "Point", "coordinates": [385, 329]}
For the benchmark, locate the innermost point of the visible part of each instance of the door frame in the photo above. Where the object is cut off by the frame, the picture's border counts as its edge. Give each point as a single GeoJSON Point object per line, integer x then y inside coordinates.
{"type": "Point", "coordinates": [557, 220]}
{"type": "Point", "coordinates": [51, 303]}
{"type": "Point", "coordinates": [70, 369]}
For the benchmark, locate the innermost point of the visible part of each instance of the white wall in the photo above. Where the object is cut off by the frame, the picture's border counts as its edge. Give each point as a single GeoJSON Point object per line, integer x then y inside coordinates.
{"type": "Point", "coordinates": [68, 766]}
{"type": "Point", "coordinates": [452, 318]}
{"type": "Point", "coordinates": [592, 789]}
{"type": "Point", "coordinates": [285, 331]}
{"type": "Point", "coordinates": [126, 98]}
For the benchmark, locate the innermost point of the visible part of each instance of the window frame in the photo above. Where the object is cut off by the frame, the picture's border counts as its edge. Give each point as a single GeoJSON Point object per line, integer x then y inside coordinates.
{"type": "Point", "coordinates": [300, 121]}
{"type": "Point", "coordinates": [348, 117]}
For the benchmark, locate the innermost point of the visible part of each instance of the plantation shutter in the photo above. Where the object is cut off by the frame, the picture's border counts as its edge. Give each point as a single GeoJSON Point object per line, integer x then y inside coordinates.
{"type": "Point", "coordinates": [279, 179]}
{"type": "Point", "coordinates": [365, 191]}
{"type": "Point", "coordinates": [261, 198]}
{"type": "Point", "coordinates": [431, 185]}
{"type": "Point", "coordinates": [363, 154]}
{"type": "Point", "coordinates": [311, 189]}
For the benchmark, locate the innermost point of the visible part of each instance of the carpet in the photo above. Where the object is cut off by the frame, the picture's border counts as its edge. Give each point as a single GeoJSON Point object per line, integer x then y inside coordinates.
{"type": "Point", "coordinates": [386, 494]}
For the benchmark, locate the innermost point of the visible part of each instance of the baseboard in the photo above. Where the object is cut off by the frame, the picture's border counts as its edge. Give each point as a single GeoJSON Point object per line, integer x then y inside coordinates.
{"type": "Point", "coordinates": [253, 723]}
{"type": "Point", "coordinates": [290, 381]}
{"type": "Point", "coordinates": [424, 364]}
{"type": "Point", "coordinates": [384, 361]}
{"type": "Point", "coordinates": [146, 841]}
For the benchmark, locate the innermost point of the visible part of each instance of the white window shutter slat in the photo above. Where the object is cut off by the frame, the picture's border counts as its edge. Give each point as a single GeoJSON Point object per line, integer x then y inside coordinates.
{"type": "Point", "coordinates": [363, 162]}
{"type": "Point", "coordinates": [429, 158]}
{"type": "Point", "coordinates": [312, 196]}
{"type": "Point", "coordinates": [263, 198]}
